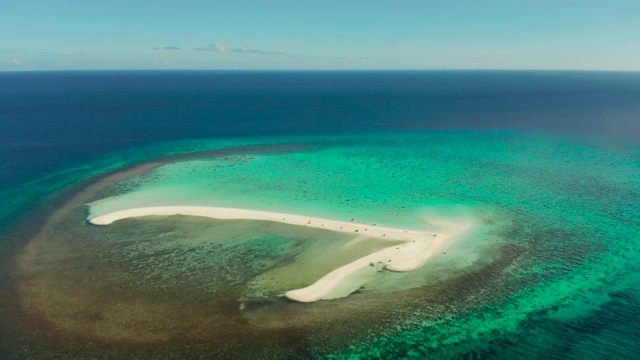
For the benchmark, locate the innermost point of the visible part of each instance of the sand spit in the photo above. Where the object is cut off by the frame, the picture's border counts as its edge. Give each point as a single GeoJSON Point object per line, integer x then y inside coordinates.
{"type": "Point", "coordinates": [418, 247]}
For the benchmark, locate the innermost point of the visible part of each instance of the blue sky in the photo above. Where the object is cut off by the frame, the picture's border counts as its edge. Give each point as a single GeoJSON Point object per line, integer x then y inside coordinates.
{"type": "Point", "coordinates": [327, 34]}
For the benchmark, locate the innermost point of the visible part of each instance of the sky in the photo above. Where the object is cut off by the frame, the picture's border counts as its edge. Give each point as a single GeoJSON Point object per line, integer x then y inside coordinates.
{"type": "Point", "coordinates": [319, 35]}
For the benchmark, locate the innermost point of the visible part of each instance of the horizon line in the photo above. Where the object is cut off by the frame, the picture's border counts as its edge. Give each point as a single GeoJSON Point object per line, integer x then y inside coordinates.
{"type": "Point", "coordinates": [314, 70]}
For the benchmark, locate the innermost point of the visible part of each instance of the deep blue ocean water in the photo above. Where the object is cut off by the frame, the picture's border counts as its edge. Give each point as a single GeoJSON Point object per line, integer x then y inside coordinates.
{"type": "Point", "coordinates": [49, 121]}
{"type": "Point", "coordinates": [58, 128]}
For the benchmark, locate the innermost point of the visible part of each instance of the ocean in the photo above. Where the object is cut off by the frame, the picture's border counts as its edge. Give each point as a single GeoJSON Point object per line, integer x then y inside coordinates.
{"type": "Point", "coordinates": [547, 163]}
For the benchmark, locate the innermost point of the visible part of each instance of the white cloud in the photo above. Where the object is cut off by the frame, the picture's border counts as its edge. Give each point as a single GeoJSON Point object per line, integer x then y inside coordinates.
{"type": "Point", "coordinates": [217, 47]}
{"type": "Point", "coordinates": [16, 62]}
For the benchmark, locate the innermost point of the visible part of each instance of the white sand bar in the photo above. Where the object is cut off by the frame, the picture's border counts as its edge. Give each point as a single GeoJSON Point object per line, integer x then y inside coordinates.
{"type": "Point", "coordinates": [419, 246]}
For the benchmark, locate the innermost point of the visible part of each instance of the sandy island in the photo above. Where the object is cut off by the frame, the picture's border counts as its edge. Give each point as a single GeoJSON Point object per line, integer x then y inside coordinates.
{"type": "Point", "coordinates": [418, 247]}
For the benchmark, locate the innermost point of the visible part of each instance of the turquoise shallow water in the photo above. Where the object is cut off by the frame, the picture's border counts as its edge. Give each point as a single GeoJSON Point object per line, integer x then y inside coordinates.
{"type": "Point", "coordinates": [571, 204]}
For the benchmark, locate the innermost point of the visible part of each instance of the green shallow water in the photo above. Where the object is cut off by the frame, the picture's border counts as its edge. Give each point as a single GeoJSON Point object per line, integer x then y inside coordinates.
{"type": "Point", "coordinates": [551, 268]}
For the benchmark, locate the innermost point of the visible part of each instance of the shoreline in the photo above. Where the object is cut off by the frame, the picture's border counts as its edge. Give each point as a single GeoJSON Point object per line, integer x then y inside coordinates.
{"type": "Point", "coordinates": [417, 249]}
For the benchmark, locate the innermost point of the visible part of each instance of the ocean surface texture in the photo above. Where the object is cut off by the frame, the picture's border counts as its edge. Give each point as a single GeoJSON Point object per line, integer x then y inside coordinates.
{"type": "Point", "coordinates": [545, 165]}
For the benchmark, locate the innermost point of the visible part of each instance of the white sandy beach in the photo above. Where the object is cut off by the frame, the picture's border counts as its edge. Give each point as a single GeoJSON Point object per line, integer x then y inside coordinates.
{"type": "Point", "coordinates": [418, 246]}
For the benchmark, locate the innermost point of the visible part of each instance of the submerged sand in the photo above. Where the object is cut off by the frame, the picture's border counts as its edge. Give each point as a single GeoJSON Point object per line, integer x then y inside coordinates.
{"type": "Point", "coordinates": [417, 249]}
{"type": "Point", "coordinates": [84, 286]}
